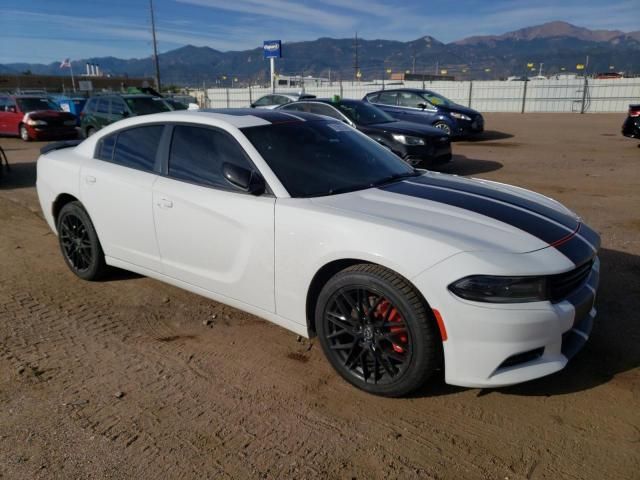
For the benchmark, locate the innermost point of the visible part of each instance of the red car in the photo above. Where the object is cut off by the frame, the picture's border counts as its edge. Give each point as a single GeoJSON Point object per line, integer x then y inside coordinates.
{"type": "Point", "coordinates": [34, 118]}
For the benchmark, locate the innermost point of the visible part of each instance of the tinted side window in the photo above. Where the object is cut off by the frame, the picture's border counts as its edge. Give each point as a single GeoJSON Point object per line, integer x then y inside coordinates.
{"type": "Point", "coordinates": [117, 107]}
{"type": "Point", "coordinates": [136, 147]}
{"type": "Point", "coordinates": [266, 100]}
{"type": "Point", "coordinates": [197, 155]}
{"type": "Point", "coordinates": [281, 100]}
{"type": "Point", "coordinates": [387, 98]}
{"type": "Point", "coordinates": [104, 150]}
{"type": "Point", "coordinates": [373, 98]}
{"type": "Point", "coordinates": [297, 107]}
{"type": "Point", "coordinates": [3, 103]}
{"type": "Point", "coordinates": [410, 99]}
{"type": "Point", "coordinates": [326, 110]}
{"type": "Point", "coordinates": [103, 105]}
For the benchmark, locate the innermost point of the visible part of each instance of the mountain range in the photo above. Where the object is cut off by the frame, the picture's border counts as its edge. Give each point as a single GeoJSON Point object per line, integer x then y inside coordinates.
{"type": "Point", "coordinates": [559, 46]}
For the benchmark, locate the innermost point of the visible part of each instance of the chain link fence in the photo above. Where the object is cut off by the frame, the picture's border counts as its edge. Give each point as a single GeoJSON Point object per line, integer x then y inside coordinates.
{"type": "Point", "coordinates": [571, 95]}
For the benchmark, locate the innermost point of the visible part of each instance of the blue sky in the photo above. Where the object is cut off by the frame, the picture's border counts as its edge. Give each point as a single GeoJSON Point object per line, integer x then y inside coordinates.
{"type": "Point", "coordinates": [43, 31]}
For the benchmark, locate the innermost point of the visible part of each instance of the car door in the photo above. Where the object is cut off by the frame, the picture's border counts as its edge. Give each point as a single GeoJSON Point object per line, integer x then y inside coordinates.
{"type": "Point", "coordinates": [410, 108]}
{"type": "Point", "coordinates": [101, 114]}
{"type": "Point", "coordinates": [116, 189]}
{"type": "Point", "coordinates": [210, 234]}
{"type": "Point", "coordinates": [387, 101]}
{"type": "Point", "coordinates": [117, 110]}
{"type": "Point", "coordinates": [4, 114]}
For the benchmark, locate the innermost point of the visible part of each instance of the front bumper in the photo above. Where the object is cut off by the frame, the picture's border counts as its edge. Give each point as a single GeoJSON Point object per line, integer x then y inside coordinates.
{"type": "Point", "coordinates": [631, 127]}
{"type": "Point", "coordinates": [493, 345]}
{"type": "Point", "coordinates": [465, 128]}
{"type": "Point", "coordinates": [52, 132]}
{"type": "Point", "coordinates": [437, 151]}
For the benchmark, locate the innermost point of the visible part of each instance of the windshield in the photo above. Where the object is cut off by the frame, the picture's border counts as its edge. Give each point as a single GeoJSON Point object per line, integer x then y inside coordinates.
{"type": "Point", "coordinates": [34, 104]}
{"type": "Point", "coordinates": [437, 99]}
{"type": "Point", "coordinates": [146, 105]}
{"type": "Point", "coordinates": [317, 158]}
{"type": "Point", "coordinates": [362, 113]}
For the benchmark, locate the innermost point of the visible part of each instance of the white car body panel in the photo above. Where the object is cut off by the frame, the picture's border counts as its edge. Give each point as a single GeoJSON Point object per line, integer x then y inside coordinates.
{"type": "Point", "coordinates": [120, 202]}
{"type": "Point", "coordinates": [261, 253]}
{"type": "Point", "coordinates": [221, 241]}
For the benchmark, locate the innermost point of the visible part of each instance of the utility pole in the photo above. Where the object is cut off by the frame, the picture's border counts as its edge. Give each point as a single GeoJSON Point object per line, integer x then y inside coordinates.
{"type": "Point", "coordinates": [413, 58]}
{"type": "Point", "coordinates": [155, 46]}
{"type": "Point", "coordinates": [356, 66]}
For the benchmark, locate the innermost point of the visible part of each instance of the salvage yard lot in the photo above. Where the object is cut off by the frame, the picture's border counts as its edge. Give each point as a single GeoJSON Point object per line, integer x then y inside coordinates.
{"type": "Point", "coordinates": [131, 378]}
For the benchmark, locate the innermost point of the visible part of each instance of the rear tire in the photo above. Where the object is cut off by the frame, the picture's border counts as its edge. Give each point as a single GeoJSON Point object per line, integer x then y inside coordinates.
{"type": "Point", "coordinates": [376, 331]}
{"type": "Point", "coordinates": [24, 133]}
{"type": "Point", "coordinates": [79, 242]}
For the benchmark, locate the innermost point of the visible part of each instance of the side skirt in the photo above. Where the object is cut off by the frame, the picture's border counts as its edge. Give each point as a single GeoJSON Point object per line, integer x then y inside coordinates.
{"type": "Point", "coordinates": [300, 329]}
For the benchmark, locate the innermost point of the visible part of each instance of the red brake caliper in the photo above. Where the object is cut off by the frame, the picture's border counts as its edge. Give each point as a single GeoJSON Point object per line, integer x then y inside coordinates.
{"type": "Point", "coordinates": [394, 316]}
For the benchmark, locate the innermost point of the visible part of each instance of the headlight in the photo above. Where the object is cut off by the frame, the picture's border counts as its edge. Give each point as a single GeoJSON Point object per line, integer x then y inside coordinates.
{"type": "Point", "coordinates": [69, 123]}
{"type": "Point", "coordinates": [36, 123]}
{"type": "Point", "coordinates": [490, 289]}
{"type": "Point", "coordinates": [460, 116]}
{"type": "Point", "coordinates": [407, 140]}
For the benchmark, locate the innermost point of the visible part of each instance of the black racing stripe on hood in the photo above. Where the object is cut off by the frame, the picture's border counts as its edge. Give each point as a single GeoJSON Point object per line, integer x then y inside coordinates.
{"type": "Point", "coordinates": [479, 189]}
{"type": "Point", "coordinates": [527, 221]}
{"type": "Point", "coordinates": [590, 236]}
{"type": "Point", "coordinates": [576, 249]}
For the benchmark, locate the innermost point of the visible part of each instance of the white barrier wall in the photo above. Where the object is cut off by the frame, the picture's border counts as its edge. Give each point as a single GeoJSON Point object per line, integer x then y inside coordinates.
{"type": "Point", "coordinates": [486, 96]}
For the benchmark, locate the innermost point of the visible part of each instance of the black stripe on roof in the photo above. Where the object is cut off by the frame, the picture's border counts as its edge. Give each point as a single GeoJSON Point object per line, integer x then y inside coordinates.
{"type": "Point", "coordinates": [272, 116]}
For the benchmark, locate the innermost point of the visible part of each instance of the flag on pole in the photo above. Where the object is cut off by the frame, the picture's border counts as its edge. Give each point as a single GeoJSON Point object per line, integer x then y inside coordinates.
{"type": "Point", "coordinates": [65, 63]}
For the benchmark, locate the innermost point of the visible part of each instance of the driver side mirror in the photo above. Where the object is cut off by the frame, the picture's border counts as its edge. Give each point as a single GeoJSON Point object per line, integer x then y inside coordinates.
{"type": "Point", "coordinates": [10, 108]}
{"type": "Point", "coordinates": [243, 179]}
{"type": "Point", "coordinates": [422, 106]}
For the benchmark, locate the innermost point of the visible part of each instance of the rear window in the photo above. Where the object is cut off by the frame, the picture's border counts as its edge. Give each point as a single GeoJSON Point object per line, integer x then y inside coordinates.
{"type": "Point", "coordinates": [137, 147]}
{"type": "Point", "coordinates": [146, 105]}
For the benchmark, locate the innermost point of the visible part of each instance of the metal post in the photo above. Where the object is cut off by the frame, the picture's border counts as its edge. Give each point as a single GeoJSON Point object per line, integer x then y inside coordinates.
{"type": "Point", "coordinates": [584, 94]}
{"type": "Point", "coordinates": [470, 91]}
{"type": "Point", "coordinates": [423, 83]}
{"type": "Point", "coordinates": [155, 47]}
{"type": "Point", "coordinates": [272, 63]}
{"type": "Point", "coordinates": [524, 95]}
{"type": "Point", "coordinates": [250, 98]}
{"type": "Point", "coordinates": [227, 94]}
{"type": "Point", "coordinates": [341, 95]}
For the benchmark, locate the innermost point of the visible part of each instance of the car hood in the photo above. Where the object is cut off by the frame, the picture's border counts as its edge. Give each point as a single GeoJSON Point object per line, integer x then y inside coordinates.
{"type": "Point", "coordinates": [468, 214]}
{"type": "Point", "coordinates": [407, 128]}
{"type": "Point", "coordinates": [460, 109]}
{"type": "Point", "coordinates": [50, 115]}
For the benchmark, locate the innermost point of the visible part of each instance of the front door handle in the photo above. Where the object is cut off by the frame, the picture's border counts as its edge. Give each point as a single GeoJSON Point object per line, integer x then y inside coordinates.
{"type": "Point", "coordinates": [165, 203]}
{"type": "Point", "coordinates": [90, 179]}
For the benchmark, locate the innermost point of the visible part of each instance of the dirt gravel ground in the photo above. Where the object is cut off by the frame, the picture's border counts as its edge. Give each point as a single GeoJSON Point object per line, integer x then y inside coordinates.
{"type": "Point", "coordinates": [122, 378]}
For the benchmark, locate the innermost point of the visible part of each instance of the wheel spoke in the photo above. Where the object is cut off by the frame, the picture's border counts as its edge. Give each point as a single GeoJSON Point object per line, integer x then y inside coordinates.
{"type": "Point", "coordinates": [367, 335]}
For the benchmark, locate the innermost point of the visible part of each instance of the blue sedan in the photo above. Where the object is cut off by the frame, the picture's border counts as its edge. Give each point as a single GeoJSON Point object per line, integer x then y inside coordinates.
{"type": "Point", "coordinates": [430, 108]}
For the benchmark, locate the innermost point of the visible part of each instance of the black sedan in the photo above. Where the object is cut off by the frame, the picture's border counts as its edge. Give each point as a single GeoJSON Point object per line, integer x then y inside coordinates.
{"type": "Point", "coordinates": [631, 126]}
{"type": "Point", "coordinates": [417, 144]}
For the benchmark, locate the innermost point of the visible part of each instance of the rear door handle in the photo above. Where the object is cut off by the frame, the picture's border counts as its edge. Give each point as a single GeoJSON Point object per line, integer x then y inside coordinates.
{"type": "Point", "coordinates": [165, 203]}
{"type": "Point", "coordinates": [90, 179]}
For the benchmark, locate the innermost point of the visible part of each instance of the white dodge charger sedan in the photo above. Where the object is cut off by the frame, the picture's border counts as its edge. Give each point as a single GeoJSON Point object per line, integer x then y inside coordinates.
{"type": "Point", "coordinates": [306, 222]}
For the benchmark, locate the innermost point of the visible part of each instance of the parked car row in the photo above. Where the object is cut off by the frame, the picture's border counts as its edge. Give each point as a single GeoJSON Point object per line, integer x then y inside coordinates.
{"type": "Point", "coordinates": [37, 116]}
{"type": "Point", "coordinates": [305, 221]}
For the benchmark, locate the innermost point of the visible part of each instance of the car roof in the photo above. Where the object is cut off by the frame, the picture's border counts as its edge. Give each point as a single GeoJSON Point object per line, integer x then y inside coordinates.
{"type": "Point", "coordinates": [411, 90]}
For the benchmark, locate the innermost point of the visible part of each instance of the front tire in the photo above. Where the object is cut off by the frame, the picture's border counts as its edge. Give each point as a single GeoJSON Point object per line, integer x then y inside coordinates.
{"type": "Point", "coordinates": [443, 126]}
{"type": "Point", "coordinates": [24, 133]}
{"type": "Point", "coordinates": [376, 331]}
{"type": "Point", "coordinates": [79, 242]}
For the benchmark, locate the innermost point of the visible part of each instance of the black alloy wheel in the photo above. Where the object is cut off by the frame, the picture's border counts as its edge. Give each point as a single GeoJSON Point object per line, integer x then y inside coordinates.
{"type": "Point", "coordinates": [79, 242]}
{"type": "Point", "coordinates": [376, 331]}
